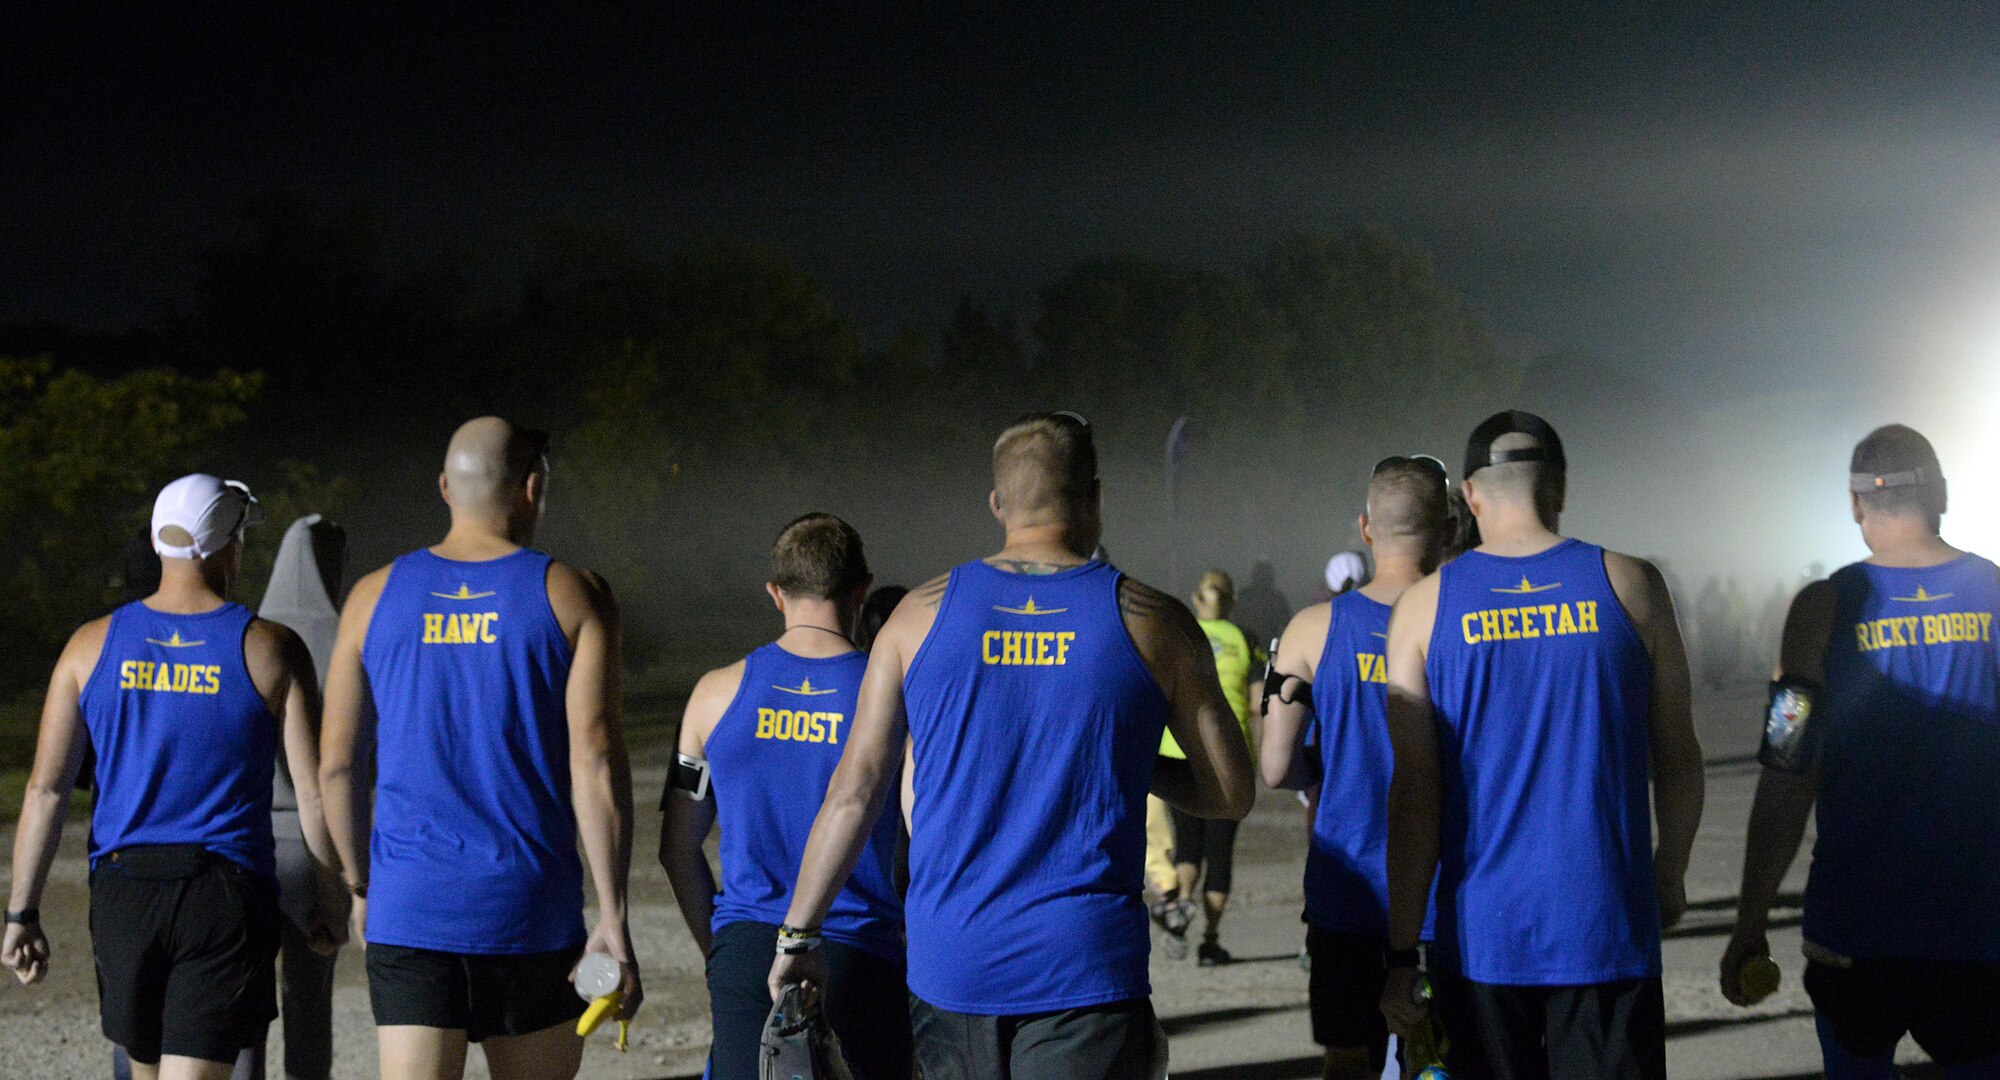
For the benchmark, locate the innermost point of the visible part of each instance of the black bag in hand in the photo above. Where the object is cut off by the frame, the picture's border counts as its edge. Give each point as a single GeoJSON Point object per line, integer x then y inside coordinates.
{"type": "Point", "coordinates": [797, 1044]}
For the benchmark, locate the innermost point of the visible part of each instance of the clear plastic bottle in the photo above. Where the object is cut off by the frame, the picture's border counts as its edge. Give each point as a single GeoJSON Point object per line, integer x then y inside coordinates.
{"type": "Point", "coordinates": [1423, 1052]}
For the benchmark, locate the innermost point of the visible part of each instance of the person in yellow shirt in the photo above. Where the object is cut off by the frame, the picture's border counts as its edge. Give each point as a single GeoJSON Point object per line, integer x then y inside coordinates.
{"type": "Point", "coordinates": [1203, 849]}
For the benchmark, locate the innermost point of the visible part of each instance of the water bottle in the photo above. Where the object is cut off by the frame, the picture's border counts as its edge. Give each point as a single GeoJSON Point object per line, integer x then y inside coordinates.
{"type": "Point", "coordinates": [598, 979]}
{"type": "Point", "coordinates": [1424, 1051]}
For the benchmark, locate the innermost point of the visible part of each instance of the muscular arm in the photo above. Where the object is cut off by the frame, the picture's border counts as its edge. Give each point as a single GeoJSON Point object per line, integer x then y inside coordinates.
{"type": "Point", "coordinates": [1416, 789]}
{"type": "Point", "coordinates": [600, 772]}
{"type": "Point", "coordinates": [868, 766]}
{"type": "Point", "coordinates": [58, 756]}
{"type": "Point", "coordinates": [688, 822]}
{"type": "Point", "coordinates": [1784, 801]}
{"type": "Point", "coordinates": [1285, 723]}
{"type": "Point", "coordinates": [1216, 779]}
{"type": "Point", "coordinates": [1678, 777]}
{"type": "Point", "coordinates": [347, 733]}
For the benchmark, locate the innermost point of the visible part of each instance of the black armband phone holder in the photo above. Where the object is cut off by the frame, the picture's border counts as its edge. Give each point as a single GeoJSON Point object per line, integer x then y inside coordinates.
{"type": "Point", "coordinates": [1274, 684]}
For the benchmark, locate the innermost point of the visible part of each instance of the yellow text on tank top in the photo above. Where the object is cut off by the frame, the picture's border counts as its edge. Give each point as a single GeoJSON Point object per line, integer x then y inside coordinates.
{"type": "Point", "coordinates": [1905, 631]}
{"type": "Point", "coordinates": [1529, 621]}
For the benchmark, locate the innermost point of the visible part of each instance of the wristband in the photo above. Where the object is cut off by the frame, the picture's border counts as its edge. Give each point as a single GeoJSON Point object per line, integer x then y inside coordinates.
{"type": "Point", "coordinates": [26, 917]}
{"type": "Point", "coordinates": [793, 941]}
{"type": "Point", "coordinates": [360, 890]}
{"type": "Point", "coordinates": [1401, 958]}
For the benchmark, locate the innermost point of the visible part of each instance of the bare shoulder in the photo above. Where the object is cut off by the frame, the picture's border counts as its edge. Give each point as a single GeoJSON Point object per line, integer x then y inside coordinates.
{"type": "Point", "coordinates": [366, 591]}
{"type": "Point", "coordinates": [85, 646]}
{"type": "Point", "coordinates": [1639, 586]}
{"type": "Point", "coordinates": [1419, 601]}
{"type": "Point", "coordinates": [914, 616]}
{"type": "Point", "coordinates": [577, 595]}
{"type": "Point", "coordinates": [273, 643]}
{"type": "Point", "coordinates": [1310, 623]}
{"type": "Point", "coordinates": [1814, 603]}
{"type": "Point", "coordinates": [1299, 647]}
{"type": "Point", "coordinates": [710, 699]}
{"type": "Point", "coordinates": [1157, 621]}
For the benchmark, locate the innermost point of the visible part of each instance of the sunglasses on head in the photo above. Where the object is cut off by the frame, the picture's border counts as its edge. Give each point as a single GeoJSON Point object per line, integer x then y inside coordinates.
{"type": "Point", "coordinates": [1423, 461]}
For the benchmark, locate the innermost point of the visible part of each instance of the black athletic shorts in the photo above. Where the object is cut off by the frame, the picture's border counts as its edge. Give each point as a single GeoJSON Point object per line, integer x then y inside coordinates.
{"type": "Point", "coordinates": [480, 995]}
{"type": "Point", "coordinates": [1951, 1010]}
{"type": "Point", "coordinates": [1346, 989]}
{"type": "Point", "coordinates": [1206, 843]}
{"type": "Point", "coordinates": [185, 966]}
{"type": "Point", "coordinates": [867, 1003]}
{"type": "Point", "coordinates": [1606, 1030]}
{"type": "Point", "coordinates": [1100, 1042]}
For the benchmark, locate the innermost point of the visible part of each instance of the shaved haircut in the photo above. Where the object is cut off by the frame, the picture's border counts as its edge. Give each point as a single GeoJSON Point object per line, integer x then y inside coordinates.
{"type": "Point", "coordinates": [1407, 505]}
{"type": "Point", "coordinates": [1044, 467]}
{"type": "Point", "coordinates": [489, 459]}
{"type": "Point", "coordinates": [1897, 448]}
{"type": "Point", "coordinates": [1540, 482]}
{"type": "Point", "coordinates": [818, 556]}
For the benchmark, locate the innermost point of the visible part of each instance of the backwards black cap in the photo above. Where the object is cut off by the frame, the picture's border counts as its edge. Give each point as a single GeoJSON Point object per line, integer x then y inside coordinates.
{"type": "Point", "coordinates": [1479, 451]}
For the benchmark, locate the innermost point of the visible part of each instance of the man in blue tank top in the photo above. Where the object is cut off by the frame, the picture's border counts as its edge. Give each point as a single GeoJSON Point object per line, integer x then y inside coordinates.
{"type": "Point", "coordinates": [486, 676]}
{"type": "Point", "coordinates": [1033, 686]}
{"type": "Point", "coordinates": [184, 696]}
{"type": "Point", "coordinates": [1330, 675]}
{"type": "Point", "coordinates": [1533, 682]}
{"type": "Point", "coordinates": [767, 732]}
{"type": "Point", "coordinates": [1888, 687]}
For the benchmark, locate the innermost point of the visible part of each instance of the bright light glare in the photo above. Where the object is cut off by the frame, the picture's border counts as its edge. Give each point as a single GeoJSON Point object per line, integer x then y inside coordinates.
{"type": "Point", "coordinates": [1973, 522]}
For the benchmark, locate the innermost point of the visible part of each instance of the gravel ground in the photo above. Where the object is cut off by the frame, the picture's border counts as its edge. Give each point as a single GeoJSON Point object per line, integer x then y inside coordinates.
{"type": "Point", "coordinates": [1245, 1021]}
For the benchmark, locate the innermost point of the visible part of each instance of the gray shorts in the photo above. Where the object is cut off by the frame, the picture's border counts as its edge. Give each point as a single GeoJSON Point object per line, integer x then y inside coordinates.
{"type": "Point", "coordinates": [1118, 1041]}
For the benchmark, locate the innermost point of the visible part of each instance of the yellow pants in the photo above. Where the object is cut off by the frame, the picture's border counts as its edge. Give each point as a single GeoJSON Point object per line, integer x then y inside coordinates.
{"type": "Point", "coordinates": [1160, 873]}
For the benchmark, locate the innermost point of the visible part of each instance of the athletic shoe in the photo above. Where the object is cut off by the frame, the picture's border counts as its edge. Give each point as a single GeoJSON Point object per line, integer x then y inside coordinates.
{"type": "Point", "coordinates": [1212, 953]}
{"type": "Point", "coordinates": [1173, 917]}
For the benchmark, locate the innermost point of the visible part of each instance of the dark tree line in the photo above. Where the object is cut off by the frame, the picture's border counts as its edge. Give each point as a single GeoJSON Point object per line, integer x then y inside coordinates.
{"type": "Point", "coordinates": [305, 338]}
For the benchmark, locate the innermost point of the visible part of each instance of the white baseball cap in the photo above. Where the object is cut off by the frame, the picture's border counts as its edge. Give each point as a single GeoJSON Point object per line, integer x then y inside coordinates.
{"type": "Point", "coordinates": [198, 515]}
{"type": "Point", "coordinates": [1344, 569]}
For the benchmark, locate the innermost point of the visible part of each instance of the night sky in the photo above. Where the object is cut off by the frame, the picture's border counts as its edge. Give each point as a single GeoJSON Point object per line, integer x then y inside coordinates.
{"type": "Point", "coordinates": [1740, 202]}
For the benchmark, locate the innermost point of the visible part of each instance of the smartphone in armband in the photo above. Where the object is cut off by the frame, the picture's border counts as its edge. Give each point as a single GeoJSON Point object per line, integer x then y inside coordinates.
{"type": "Point", "coordinates": [689, 777]}
{"type": "Point", "coordinates": [1791, 738]}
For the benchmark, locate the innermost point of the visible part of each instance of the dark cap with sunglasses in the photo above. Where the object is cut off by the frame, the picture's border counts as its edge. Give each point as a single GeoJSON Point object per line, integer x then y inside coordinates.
{"type": "Point", "coordinates": [1479, 452]}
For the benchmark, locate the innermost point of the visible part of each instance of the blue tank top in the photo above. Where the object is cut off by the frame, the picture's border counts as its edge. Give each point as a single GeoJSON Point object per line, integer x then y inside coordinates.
{"type": "Point", "coordinates": [1541, 688]}
{"type": "Point", "coordinates": [186, 746]}
{"type": "Point", "coordinates": [770, 758]}
{"type": "Point", "coordinates": [1035, 724]}
{"type": "Point", "coordinates": [1907, 863]}
{"type": "Point", "coordinates": [1347, 865]}
{"type": "Point", "coordinates": [474, 848]}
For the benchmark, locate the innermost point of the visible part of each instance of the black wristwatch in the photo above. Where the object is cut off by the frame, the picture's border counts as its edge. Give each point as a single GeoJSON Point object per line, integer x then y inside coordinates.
{"type": "Point", "coordinates": [26, 916]}
{"type": "Point", "coordinates": [1401, 958]}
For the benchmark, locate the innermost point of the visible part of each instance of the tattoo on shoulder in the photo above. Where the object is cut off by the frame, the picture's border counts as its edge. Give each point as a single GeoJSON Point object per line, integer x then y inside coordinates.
{"type": "Point", "coordinates": [1023, 566]}
{"type": "Point", "coordinates": [929, 595]}
{"type": "Point", "coordinates": [1136, 601]}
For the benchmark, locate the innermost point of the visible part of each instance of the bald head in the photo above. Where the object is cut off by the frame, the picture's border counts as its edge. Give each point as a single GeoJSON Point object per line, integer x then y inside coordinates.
{"type": "Point", "coordinates": [487, 465]}
{"type": "Point", "coordinates": [1044, 470]}
{"type": "Point", "coordinates": [1408, 508]}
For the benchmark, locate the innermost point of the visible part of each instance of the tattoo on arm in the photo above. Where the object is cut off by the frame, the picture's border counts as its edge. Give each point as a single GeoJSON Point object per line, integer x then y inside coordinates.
{"type": "Point", "coordinates": [929, 595]}
{"type": "Point", "coordinates": [1147, 605]}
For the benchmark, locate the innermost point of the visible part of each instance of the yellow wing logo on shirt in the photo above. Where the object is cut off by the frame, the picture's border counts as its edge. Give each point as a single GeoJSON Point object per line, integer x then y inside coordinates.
{"type": "Point", "coordinates": [1029, 608]}
{"type": "Point", "coordinates": [1922, 597]}
{"type": "Point", "coordinates": [464, 593]}
{"type": "Point", "coordinates": [174, 641]}
{"type": "Point", "coordinates": [1524, 589]}
{"type": "Point", "coordinates": [805, 688]}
